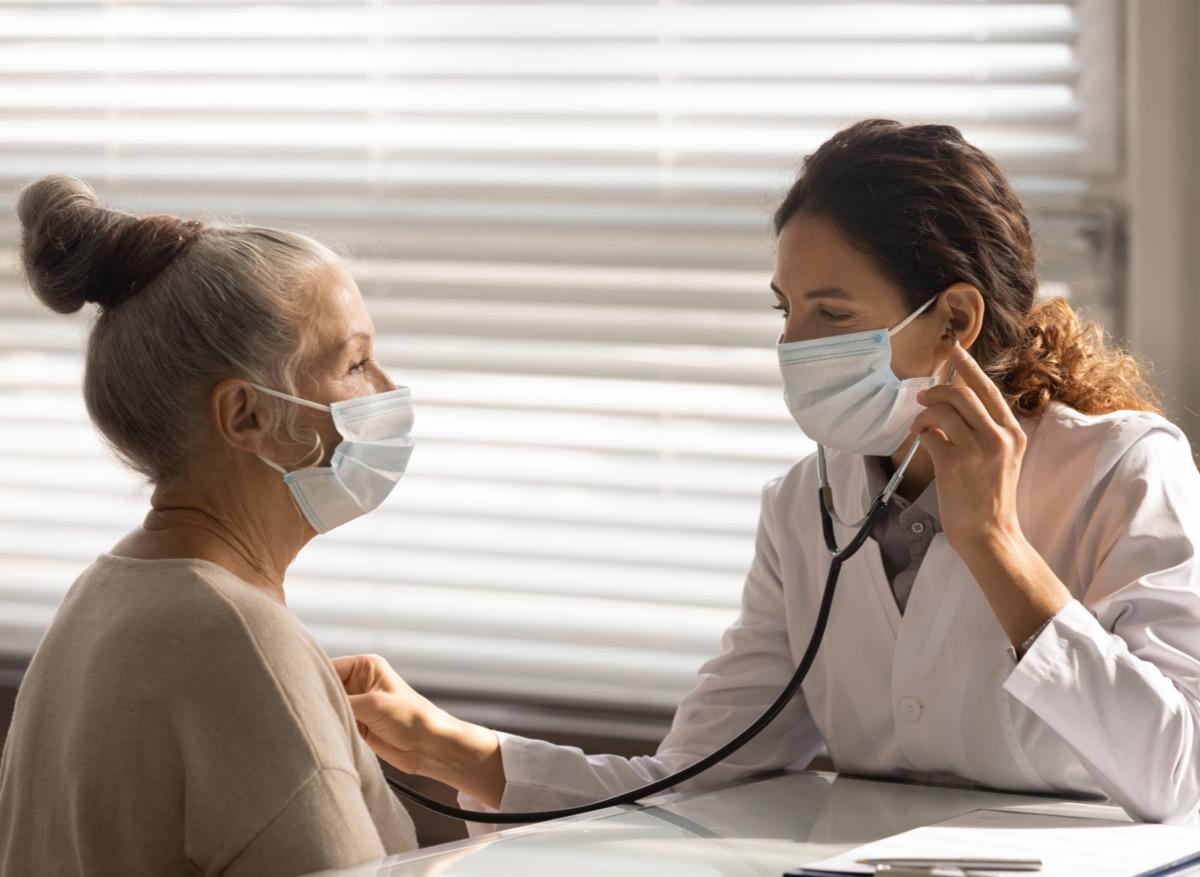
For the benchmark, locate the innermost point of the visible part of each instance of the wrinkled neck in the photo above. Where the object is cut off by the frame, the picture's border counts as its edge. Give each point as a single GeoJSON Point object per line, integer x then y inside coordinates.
{"type": "Point", "coordinates": [253, 533]}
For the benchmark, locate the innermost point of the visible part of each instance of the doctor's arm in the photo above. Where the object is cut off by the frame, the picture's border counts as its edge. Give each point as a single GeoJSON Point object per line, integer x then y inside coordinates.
{"type": "Point", "coordinates": [977, 447]}
{"type": "Point", "coordinates": [1116, 672]}
{"type": "Point", "coordinates": [514, 773]}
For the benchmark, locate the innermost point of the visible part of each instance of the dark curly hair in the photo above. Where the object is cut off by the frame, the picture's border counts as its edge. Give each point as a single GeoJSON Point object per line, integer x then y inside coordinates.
{"type": "Point", "coordinates": [932, 210]}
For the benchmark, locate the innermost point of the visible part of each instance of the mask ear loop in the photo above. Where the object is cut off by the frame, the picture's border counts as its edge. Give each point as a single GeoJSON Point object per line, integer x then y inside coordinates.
{"type": "Point", "coordinates": [272, 464]}
{"type": "Point", "coordinates": [913, 315]}
{"type": "Point", "coordinates": [290, 398]}
{"type": "Point", "coordinates": [295, 506]}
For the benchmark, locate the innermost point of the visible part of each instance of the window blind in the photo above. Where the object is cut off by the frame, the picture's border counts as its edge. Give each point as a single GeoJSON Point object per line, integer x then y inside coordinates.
{"type": "Point", "coordinates": [559, 215]}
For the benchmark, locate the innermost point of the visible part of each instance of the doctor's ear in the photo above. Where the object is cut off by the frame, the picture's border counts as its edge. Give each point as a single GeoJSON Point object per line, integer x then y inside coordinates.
{"type": "Point", "coordinates": [961, 308]}
{"type": "Point", "coordinates": [239, 415]}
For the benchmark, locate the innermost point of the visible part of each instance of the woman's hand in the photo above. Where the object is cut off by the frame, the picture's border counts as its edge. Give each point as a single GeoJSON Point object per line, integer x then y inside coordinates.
{"type": "Point", "coordinates": [413, 735]}
{"type": "Point", "coordinates": [977, 446]}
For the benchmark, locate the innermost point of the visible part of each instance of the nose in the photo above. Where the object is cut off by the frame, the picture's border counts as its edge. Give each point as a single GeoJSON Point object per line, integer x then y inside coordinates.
{"type": "Point", "coordinates": [795, 328]}
{"type": "Point", "coordinates": [793, 331]}
{"type": "Point", "coordinates": [383, 383]}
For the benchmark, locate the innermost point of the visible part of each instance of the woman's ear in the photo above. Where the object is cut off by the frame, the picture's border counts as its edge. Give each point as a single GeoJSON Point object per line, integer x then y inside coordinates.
{"type": "Point", "coordinates": [238, 415]}
{"type": "Point", "coordinates": [962, 307]}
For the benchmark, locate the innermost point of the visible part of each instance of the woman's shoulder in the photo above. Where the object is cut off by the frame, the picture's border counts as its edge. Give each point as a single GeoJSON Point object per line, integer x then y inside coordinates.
{"type": "Point", "coordinates": [202, 641]}
{"type": "Point", "coordinates": [221, 685]}
{"type": "Point", "coordinates": [1066, 438]}
{"type": "Point", "coordinates": [177, 599]}
{"type": "Point", "coordinates": [188, 620]}
{"type": "Point", "coordinates": [274, 640]}
{"type": "Point", "coordinates": [1093, 468]}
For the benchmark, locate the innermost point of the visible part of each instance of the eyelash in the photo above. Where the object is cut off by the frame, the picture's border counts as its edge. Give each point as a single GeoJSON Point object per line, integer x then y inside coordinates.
{"type": "Point", "coordinates": [358, 366]}
{"type": "Point", "coordinates": [829, 315]}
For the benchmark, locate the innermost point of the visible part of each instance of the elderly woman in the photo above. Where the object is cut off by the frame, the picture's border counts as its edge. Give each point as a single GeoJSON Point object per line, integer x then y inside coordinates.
{"type": "Point", "coordinates": [177, 718]}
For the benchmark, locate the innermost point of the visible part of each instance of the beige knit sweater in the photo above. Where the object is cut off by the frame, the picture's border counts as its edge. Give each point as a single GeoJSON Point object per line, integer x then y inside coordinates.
{"type": "Point", "coordinates": [176, 720]}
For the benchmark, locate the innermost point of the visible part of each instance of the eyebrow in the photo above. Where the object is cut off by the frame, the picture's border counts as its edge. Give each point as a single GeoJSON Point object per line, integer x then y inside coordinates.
{"type": "Point", "coordinates": [822, 292]}
{"type": "Point", "coordinates": [337, 349]}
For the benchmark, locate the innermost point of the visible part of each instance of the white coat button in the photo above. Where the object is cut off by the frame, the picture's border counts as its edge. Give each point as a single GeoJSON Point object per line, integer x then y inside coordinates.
{"type": "Point", "coordinates": [918, 527]}
{"type": "Point", "coordinates": [911, 708]}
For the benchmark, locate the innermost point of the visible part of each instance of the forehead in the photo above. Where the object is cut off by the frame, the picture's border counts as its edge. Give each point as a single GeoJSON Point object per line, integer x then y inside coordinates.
{"type": "Point", "coordinates": [812, 253]}
{"type": "Point", "coordinates": [338, 307]}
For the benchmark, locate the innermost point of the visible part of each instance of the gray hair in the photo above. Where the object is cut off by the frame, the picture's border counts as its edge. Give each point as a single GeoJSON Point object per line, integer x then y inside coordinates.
{"type": "Point", "coordinates": [182, 306]}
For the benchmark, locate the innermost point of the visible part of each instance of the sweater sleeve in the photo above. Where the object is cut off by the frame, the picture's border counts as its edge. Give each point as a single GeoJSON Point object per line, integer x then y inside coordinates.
{"type": "Point", "coordinates": [324, 825]}
{"type": "Point", "coordinates": [273, 767]}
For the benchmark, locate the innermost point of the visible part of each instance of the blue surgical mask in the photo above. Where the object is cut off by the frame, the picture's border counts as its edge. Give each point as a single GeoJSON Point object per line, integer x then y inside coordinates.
{"type": "Point", "coordinates": [842, 392]}
{"type": "Point", "coordinates": [376, 443]}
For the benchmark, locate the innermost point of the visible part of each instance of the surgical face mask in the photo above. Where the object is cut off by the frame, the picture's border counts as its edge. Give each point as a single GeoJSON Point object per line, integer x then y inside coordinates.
{"type": "Point", "coordinates": [366, 464]}
{"type": "Point", "coordinates": [842, 392]}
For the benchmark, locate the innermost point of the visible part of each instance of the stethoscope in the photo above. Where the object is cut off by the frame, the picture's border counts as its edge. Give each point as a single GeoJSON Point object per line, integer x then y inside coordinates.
{"type": "Point", "coordinates": [838, 555]}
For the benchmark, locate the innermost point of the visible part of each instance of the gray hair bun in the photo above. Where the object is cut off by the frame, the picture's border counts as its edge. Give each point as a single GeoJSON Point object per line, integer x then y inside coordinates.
{"type": "Point", "coordinates": [75, 251]}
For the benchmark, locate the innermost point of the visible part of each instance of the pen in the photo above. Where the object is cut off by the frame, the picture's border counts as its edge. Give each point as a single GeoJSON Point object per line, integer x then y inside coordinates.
{"type": "Point", "coordinates": [922, 872]}
{"type": "Point", "coordinates": [961, 864]}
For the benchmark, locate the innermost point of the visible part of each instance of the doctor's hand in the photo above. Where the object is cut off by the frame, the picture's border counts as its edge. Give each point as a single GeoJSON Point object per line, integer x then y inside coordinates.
{"type": "Point", "coordinates": [416, 736]}
{"type": "Point", "coordinates": [976, 445]}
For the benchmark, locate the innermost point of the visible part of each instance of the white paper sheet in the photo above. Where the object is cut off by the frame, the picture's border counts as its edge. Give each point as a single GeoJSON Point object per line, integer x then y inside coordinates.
{"type": "Point", "coordinates": [1067, 846]}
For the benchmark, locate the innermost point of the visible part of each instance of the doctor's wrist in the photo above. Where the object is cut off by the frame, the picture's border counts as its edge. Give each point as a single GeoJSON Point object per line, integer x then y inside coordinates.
{"type": "Point", "coordinates": [991, 541]}
{"type": "Point", "coordinates": [1021, 588]}
{"type": "Point", "coordinates": [466, 757]}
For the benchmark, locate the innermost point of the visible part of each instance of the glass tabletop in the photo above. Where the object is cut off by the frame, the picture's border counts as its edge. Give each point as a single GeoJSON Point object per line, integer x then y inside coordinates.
{"type": "Point", "coordinates": [761, 827]}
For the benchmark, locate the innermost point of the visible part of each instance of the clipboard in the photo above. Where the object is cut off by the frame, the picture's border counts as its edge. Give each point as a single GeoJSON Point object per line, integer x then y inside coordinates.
{"type": "Point", "coordinates": [1068, 846]}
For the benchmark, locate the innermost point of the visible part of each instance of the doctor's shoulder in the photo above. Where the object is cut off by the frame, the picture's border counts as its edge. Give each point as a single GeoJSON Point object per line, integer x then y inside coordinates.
{"type": "Point", "coordinates": [1086, 448]}
{"type": "Point", "coordinates": [1090, 481]}
{"type": "Point", "coordinates": [792, 491]}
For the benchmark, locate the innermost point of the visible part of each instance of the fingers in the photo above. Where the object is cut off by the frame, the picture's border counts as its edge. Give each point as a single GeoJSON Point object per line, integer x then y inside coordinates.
{"type": "Point", "coordinates": [986, 391]}
{"type": "Point", "coordinates": [979, 404]}
{"type": "Point", "coordinates": [367, 708]}
{"type": "Point", "coordinates": [394, 756]}
{"type": "Point", "coordinates": [946, 419]}
{"type": "Point", "coordinates": [362, 673]}
{"type": "Point", "coordinates": [972, 416]}
{"type": "Point", "coordinates": [384, 733]}
{"type": "Point", "coordinates": [935, 442]}
{"type": "Point", "coordinates": [383, 677]}
{"type": "Point", "coordinates": [959, 401]}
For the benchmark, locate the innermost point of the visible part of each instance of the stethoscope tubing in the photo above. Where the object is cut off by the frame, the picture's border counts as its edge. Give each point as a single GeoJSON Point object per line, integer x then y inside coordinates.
{"type": "Point", "coordinates": [838, 557]}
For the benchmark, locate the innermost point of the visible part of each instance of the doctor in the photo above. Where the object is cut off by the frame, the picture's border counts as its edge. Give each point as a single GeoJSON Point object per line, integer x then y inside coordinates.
{"type": "Point", "coordinates": [1026, 615]}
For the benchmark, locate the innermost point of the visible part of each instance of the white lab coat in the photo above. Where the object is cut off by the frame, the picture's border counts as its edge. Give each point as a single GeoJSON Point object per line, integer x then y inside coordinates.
{"type": "Point", "coordinates": [1106, 702]}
